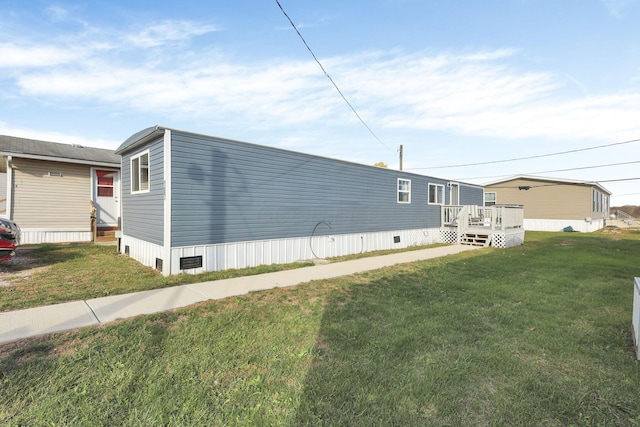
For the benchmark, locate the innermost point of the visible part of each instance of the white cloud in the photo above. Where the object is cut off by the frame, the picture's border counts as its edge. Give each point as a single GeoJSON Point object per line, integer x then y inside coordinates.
{"type": "Point", "coordinates": [473, 93]}
{"type": "Point", "coordinates": [63, 138]}
{"type": "Point", "coordinates": [289, 93]}
{"type": "Point", "coordinates": [617, 8]}
{"type": "Point", "coordinates": [57, 13]}
{"type": "Point", "coordinates": [19, 56]}
{"type": "Point", "coordinates": [167, 32]}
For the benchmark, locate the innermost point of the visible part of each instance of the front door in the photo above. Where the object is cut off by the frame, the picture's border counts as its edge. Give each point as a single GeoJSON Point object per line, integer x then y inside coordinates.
{"type": "Point", "coordinates": [106, 197]}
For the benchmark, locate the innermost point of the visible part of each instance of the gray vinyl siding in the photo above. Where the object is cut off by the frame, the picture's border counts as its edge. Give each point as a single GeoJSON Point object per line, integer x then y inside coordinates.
{"type": "Point", "coordinates": [471, 195]}
{"type": "Point", "coordinates": [143, 213]}
{"type": "Point", "coordinates": [228, 191]}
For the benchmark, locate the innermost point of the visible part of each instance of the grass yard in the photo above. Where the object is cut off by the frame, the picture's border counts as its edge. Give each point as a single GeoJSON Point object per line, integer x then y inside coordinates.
{"type": "Point", "coordinates": [51, 274]}
{"type": "Point", "coordinates": [533, 335]}
{"type": "Point", "coordinates": [61, 273]}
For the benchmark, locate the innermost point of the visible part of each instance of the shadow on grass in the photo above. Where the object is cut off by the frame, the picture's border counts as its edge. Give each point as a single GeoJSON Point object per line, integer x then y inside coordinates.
{"type": "Point", "coordinates": [30, 257]}
{"type": "Point", "coordinates": [384, 356]}
{"type": "Point", "coordinates": [534, 335]}
{"type": "Point", "coordinates": [460, 345]}
{"type": "Point", "coordinates": [13, 357]}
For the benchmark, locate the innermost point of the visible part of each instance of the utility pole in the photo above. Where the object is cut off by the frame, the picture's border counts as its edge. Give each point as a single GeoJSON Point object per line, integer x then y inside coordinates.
{"type": "Point", "coordinates": [400, 151]}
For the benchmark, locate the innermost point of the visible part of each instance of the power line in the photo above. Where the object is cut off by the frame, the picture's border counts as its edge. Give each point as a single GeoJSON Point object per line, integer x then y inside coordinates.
{"type": "Point", "coordinates": [529, 157]}
{"type": "Point", "coordinates": [330, 79]}
{"type": "Point", "coordinates": [557, 170]}
{"type": "Point", "coordinates": [621, 179]}
{"type": "Point", "coordinates": [624, 195]}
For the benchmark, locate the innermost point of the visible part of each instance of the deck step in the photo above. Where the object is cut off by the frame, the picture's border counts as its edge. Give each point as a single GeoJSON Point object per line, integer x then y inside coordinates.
{"type": "Point", "coordinates": [106, 234]}
{"type": "Point", "coordinates": [475, 239]}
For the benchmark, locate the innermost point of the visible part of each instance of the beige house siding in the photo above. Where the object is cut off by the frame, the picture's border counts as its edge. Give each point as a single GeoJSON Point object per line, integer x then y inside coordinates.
{"type": "Point", "coordinates": [547, 200]}
{"type": "Point", "coordinates": [56, 200]}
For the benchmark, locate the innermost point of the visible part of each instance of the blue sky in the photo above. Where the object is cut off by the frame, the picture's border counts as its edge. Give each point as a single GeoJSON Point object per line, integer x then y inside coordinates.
{"type": "Point", "coordinates": [455, 82]}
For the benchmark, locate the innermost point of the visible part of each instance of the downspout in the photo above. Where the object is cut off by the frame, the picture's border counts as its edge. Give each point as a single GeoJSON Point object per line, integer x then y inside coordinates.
{"type": "Point", "coordinates": [166, 264]}
{"type": "Point", "coordinates": [9, 209]}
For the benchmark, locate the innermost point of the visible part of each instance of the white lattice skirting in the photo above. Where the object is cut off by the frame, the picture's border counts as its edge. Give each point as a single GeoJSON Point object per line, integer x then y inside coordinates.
{"type": "Point", "coordinates": [499, 239]}
{"type": "Point", "coordinates": [448, 236]}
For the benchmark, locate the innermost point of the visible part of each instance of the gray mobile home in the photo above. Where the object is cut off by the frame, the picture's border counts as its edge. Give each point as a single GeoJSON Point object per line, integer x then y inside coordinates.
{"type": "Point", "coordinates": [193, 203]}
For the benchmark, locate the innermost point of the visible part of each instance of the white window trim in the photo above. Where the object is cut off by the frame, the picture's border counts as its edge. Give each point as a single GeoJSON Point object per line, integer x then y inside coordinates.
{"type": "Point", "coordinates": [137, 156]}
{"type": "Point", "coordinates": [600, 202]}
{"type": "Point", "coordinates": [441, 203]}
{"type": "Point", "coordinates": [495, 198]}
{"type": "Point", "coordinates": [453, 192]}
{"type": "Point", "coordinates": [403, 191]}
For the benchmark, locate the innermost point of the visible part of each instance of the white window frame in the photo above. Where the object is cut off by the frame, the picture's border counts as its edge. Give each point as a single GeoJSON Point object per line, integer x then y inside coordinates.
{"type": "Point", "coordinates": [439, 192]}
{"type": "Point", "coordinates": [404, 191]}
{"type": "Point", "coordinates": [454, 193]}
{"type": "Point", "coordinates": [137, 171]}
{"type": "Point", "coordinates": [495, 197]}
{"type": "Point", "coordinates": [600, 202]}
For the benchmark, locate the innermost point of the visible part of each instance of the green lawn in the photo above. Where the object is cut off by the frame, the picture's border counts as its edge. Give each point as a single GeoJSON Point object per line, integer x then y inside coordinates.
{"type": "Point", "coordinates": [79, 272]}
{"type": "Point", "coordinates": [533, 335]}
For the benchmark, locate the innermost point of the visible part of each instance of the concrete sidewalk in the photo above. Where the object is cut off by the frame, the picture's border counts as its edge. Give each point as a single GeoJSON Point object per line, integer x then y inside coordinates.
{"type": "Point", "coordinates": [15, 325]}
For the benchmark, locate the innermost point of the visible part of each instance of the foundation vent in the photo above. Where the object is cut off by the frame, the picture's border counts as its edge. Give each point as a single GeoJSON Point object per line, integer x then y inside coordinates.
{"type": "Point", "coordinates": [189, 262]}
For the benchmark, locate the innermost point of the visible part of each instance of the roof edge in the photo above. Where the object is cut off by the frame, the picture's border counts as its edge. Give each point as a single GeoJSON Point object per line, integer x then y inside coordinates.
{"type": "Point", "coordinates": [546, 179]}
{"type": "Point", "coordinates": [145, 135]}
{"type": "Point", "coordinates": [140, 137]}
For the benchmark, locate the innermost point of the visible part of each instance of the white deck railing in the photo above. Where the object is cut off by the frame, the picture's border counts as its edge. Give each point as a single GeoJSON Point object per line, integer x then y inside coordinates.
{"type": "Point", "coordinates": [496, 217]}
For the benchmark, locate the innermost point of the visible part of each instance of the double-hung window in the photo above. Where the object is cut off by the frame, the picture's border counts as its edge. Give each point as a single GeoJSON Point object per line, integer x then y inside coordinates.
{"type": "Point", "coordinates": [436, 194]}
{"type": "Point", "coordinates": [140, 173]}
{"type": "Point", "coordinates": [404, 190]}
{"type": "Point", "coordinates": [490, 198]}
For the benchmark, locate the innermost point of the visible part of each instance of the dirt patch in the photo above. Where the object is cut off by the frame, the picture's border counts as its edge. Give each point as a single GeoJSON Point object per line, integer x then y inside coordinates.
{"type": "Point", "coordinates": [23, 265]}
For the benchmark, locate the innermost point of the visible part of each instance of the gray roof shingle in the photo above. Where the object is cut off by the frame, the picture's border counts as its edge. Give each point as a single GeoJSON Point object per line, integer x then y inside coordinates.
{"type": "Point", "coordinates": [12, 145]}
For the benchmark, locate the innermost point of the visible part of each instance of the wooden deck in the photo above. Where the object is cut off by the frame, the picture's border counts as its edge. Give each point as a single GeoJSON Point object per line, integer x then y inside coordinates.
{"type": "Point", "coordinates": [498, 225]}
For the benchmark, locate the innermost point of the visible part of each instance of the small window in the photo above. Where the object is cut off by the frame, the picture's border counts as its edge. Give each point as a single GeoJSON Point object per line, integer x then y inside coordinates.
{"type": "Point", "coordinates": [140, 173]}
{"type": "Point", "coordinates": [489, 199]}
{"type": "Point", "coordinates": [404, 190]}
{"type": "Point", "coordinates": [104, 183]}
{"type": "Point", "coordinates": [436, 194]}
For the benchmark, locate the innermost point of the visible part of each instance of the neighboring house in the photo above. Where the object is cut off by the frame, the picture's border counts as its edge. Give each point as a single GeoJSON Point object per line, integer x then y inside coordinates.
{"type": "Point", "coordinates": [193, 203]}
{"type": "Point", "coordinates": [552, 204]}
{"type": "Point", "coordinates": [47, 189]}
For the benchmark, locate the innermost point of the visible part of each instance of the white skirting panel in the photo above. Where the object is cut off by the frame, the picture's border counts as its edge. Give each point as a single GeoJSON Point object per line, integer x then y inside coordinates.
{"type": "Point", "coordinates": [143, 252]}
{"type": "Point", "coordinates": [635, 316]}
{"type": "Point", "coordinates": [559, 224]}
{"type": "Point", "coordinates": [30, 236]}
{"type": "Point", "coordinates": [508, 238]}
{"type": "Point", "coordinates": [252, 254]}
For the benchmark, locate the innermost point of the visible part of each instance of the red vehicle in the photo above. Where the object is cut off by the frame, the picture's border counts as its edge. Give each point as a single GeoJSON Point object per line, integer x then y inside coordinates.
{"type": "Point", "coordinates": [9, 239]}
